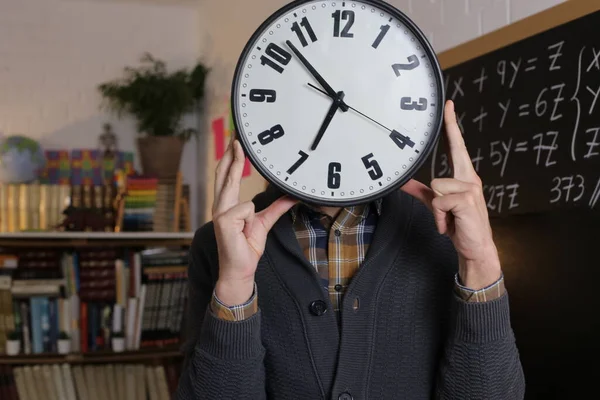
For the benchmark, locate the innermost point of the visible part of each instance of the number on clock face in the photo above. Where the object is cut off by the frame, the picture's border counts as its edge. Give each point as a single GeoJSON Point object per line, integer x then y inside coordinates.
{"type": "Point", "coordinates": [401, 140]}
{"type": "Point", "coordinates": [334, 178]}
{"type": "Point", "coordinates": [260, 95]}
{"type": "Point", "coordinates": [384, 31]}
{"type": "Point", "coordinates": [407, 103]}
{"type": "Point", "coordinates": [413, 62]}
{"type": "Point", "coordinates": [269, 135]}
{"type": "Point", "coordinates": [340, 16]}
{"type": "Point", "coordinates": [372, 166]}
{"type": "Point", "coordinates": [306, 25]}
{"type": "Point", "coordinates": [297, 164]}
{"type": "Point", "coordinates": [367, 149]}
{"type": "Point", "coordinates": [276, 57]}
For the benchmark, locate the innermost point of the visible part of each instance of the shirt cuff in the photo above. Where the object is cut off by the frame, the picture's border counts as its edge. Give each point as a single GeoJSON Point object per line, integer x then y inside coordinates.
{"type": "Point", "coordinates": [492, 292]}
{"type": "Point", "coordinates": [234, 313]}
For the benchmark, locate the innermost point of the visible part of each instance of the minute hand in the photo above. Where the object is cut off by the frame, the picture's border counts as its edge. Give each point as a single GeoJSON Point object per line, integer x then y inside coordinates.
{"type": "Point", "coordinates": [330, 92]}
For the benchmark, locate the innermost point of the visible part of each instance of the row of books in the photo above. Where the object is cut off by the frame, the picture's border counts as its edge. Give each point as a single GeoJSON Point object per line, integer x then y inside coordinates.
{"type": "Point", "coordinates": [39, 207]}
{"type": "Point", "coordinates": [32, 207]}
{"type": "Point", "coordinates": [93, 295]}
{"type": "Point", "coordinates": [149, 206]}
{"type": "Point", "coordinates": [88, 382]}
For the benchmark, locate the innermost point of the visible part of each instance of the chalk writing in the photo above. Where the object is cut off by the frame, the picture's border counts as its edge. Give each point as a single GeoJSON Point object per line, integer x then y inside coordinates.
{"type": "Point", "coordinates": [479, 119]}
{"type": "Point", "coordinates": [458, 88]}
{"type": "Point", "coordinates": [593, 143]}
{"type": "Point", "coordinates": [531, 67]}
{"type": "Point", "coordinates": [595, 62]}
{"type": "Point", "coordinates": [575, 99]}
{"type": "Point", "coordinates": [547, 144]}
{"type": "Point", "coordinates": [595, 94]}
{"type": "Point", "coordinates": [568, 188]}
{"type": "Point", "coordinates": [595, 195]}
{"type": "Point", "coordinates": [499, 152]}
{"type": "Point", "coordinates": [497, 195]}
{"type": "Point", "coordinates": [529, 115]}
{"type": "Point", "coordinates": [504, 108]}
{"type": "Point", "coordinates": [557, 48]}
{"type": "Point", "coordinates": [479, 81]}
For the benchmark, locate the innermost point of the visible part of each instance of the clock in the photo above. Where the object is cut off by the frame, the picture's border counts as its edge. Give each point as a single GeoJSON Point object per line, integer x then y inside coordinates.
{"type": "Point", "coordinates": [338, 103]}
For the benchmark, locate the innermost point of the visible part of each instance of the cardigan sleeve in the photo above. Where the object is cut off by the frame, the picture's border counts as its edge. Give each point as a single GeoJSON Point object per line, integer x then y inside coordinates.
{"type": "Point", "coordinates": [480, 360]}
{"type": "Point", "coordinates": [222, 358]}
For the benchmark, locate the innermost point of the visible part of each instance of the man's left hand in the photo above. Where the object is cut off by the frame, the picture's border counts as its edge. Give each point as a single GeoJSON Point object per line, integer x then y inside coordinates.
{"type": "Point", "coordinates": [460, 211]}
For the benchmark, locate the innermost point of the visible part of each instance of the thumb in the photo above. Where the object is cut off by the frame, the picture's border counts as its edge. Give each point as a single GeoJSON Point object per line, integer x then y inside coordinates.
{"type": "Point", "coordinates": [419, 191]}
{"type": "Point", "coordinates": [271, 214]}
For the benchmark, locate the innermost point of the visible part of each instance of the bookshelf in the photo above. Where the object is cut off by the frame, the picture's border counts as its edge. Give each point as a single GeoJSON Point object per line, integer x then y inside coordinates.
{"type": "Point", "coordinates": [142, 275]}
{"type": "Point", "coordinates": [99, 357]}
{"type": "Point", "coordinates": [95, 239]}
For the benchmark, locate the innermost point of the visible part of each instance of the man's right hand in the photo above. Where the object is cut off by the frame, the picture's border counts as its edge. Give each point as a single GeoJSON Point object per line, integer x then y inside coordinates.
{"type": "Point", "coordinates": [241, 233]}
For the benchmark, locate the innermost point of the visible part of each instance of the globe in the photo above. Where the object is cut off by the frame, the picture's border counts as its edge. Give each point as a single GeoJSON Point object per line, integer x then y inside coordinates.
{"type": "Point", "coordinates": [21, 159]}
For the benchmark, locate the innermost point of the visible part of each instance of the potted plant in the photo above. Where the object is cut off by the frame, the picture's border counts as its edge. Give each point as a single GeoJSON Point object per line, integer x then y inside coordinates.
{"type": "Point", "coordinates": [118, 342]}
{"type": "Point", "coordinates": [158, 100]}
{"type": "Point", "coordinates": [64, 343]}
{"type": "Point", "coordinates": [13, 343]}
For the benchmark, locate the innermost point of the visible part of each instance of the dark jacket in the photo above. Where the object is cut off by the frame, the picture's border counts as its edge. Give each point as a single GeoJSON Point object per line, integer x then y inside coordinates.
{"type": "Point", "coordinates": [410, 338]}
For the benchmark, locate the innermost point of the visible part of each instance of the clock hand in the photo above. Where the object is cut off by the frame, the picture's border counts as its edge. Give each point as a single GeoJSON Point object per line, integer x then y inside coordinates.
{"type": "Point", "coordinates": [336, 105]}
{"type": "Point", "coordinates": [355, 110]}
{"type": "Point", "coordinates": [328, 89]}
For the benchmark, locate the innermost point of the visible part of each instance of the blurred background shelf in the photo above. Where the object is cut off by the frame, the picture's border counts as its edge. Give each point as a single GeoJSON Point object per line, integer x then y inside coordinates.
{"type": "Point", "coordinates": [92, 239]}
{"type": "Point", "coordinates": [100, 357]}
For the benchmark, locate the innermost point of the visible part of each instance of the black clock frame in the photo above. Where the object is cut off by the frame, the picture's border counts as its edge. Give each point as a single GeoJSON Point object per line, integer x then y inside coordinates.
{"type": "Point", "coordinates": [263, 170]}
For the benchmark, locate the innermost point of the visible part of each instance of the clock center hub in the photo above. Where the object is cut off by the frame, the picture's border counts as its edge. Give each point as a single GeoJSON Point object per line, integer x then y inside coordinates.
{"type": "Point", "coordinates": [339, 100]}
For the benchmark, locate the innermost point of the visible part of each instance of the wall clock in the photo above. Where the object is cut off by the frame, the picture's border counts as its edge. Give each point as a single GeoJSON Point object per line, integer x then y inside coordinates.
{"type": "Point", "coordinates": [338, 102]}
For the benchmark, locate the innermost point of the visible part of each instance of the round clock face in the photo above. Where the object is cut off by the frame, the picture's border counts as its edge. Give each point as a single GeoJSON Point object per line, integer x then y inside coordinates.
{"type": "Point", "coordinates": [338, 102]}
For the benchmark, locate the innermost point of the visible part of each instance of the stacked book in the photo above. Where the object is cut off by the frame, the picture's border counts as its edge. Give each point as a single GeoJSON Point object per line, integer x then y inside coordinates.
{"type": "Point", "coordinates": [140, 203]}
{"type": "Point", "coordinates": [88, 382]}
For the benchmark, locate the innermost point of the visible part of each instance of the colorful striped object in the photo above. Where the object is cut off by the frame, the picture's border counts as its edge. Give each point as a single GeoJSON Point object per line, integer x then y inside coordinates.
{"type": "Point", "coordinates": [140, 203]}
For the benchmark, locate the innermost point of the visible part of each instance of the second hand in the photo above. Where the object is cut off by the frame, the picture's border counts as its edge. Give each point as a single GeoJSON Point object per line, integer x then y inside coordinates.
{"type": "Point", "coordinates": [352, 108]}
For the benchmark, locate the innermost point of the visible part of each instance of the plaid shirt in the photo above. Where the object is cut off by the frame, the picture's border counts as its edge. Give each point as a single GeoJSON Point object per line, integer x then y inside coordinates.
{"type": "Point", "coordinates": [337, 248]}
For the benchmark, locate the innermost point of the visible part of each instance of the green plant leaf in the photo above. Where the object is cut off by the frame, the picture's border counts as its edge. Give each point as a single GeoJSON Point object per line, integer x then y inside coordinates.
{"type": "Point", "coordinates": [157, 99]}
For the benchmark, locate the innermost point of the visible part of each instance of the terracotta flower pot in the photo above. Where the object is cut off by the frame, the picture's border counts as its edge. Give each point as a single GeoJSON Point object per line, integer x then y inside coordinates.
{"type": "Point", "coordinates": [160, 156]}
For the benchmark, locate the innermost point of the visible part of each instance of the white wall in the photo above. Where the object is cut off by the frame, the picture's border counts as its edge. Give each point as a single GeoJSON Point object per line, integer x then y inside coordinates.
{"type": "Point", "coordinates": [54, 53]}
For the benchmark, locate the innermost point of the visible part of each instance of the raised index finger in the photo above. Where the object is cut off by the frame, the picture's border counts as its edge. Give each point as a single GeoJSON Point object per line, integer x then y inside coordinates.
{"type": "Point", "coordinates": [461, 161]}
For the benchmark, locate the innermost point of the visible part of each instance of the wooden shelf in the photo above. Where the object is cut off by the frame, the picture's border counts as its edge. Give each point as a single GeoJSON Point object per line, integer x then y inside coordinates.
{"type": "Point", "coordinates": [95, 239]}
{"type": "Point", "coordinates": [99, 357]}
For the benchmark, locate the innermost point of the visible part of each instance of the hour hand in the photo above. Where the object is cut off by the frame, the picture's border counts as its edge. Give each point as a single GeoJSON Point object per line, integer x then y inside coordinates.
{"type": "Point", "coordinates": [330, 92]}
{"type": "Point", "coordinates": [332, 110]}
{"type": "Point", "coordinates": [339, 98]}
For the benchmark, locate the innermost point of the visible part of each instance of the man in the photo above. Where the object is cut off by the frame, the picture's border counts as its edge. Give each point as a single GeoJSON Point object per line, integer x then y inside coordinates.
{"type": "Point", "coordinates": [366, 302]}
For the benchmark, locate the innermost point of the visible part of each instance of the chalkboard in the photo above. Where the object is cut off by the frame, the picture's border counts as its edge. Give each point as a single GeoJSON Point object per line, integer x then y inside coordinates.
{"type": "Point", "coordinates": [530, 114]}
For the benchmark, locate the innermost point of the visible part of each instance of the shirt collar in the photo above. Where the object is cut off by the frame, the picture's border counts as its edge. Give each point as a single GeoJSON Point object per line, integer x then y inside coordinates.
{"type": "Point", "coordinates": [302, 207]}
